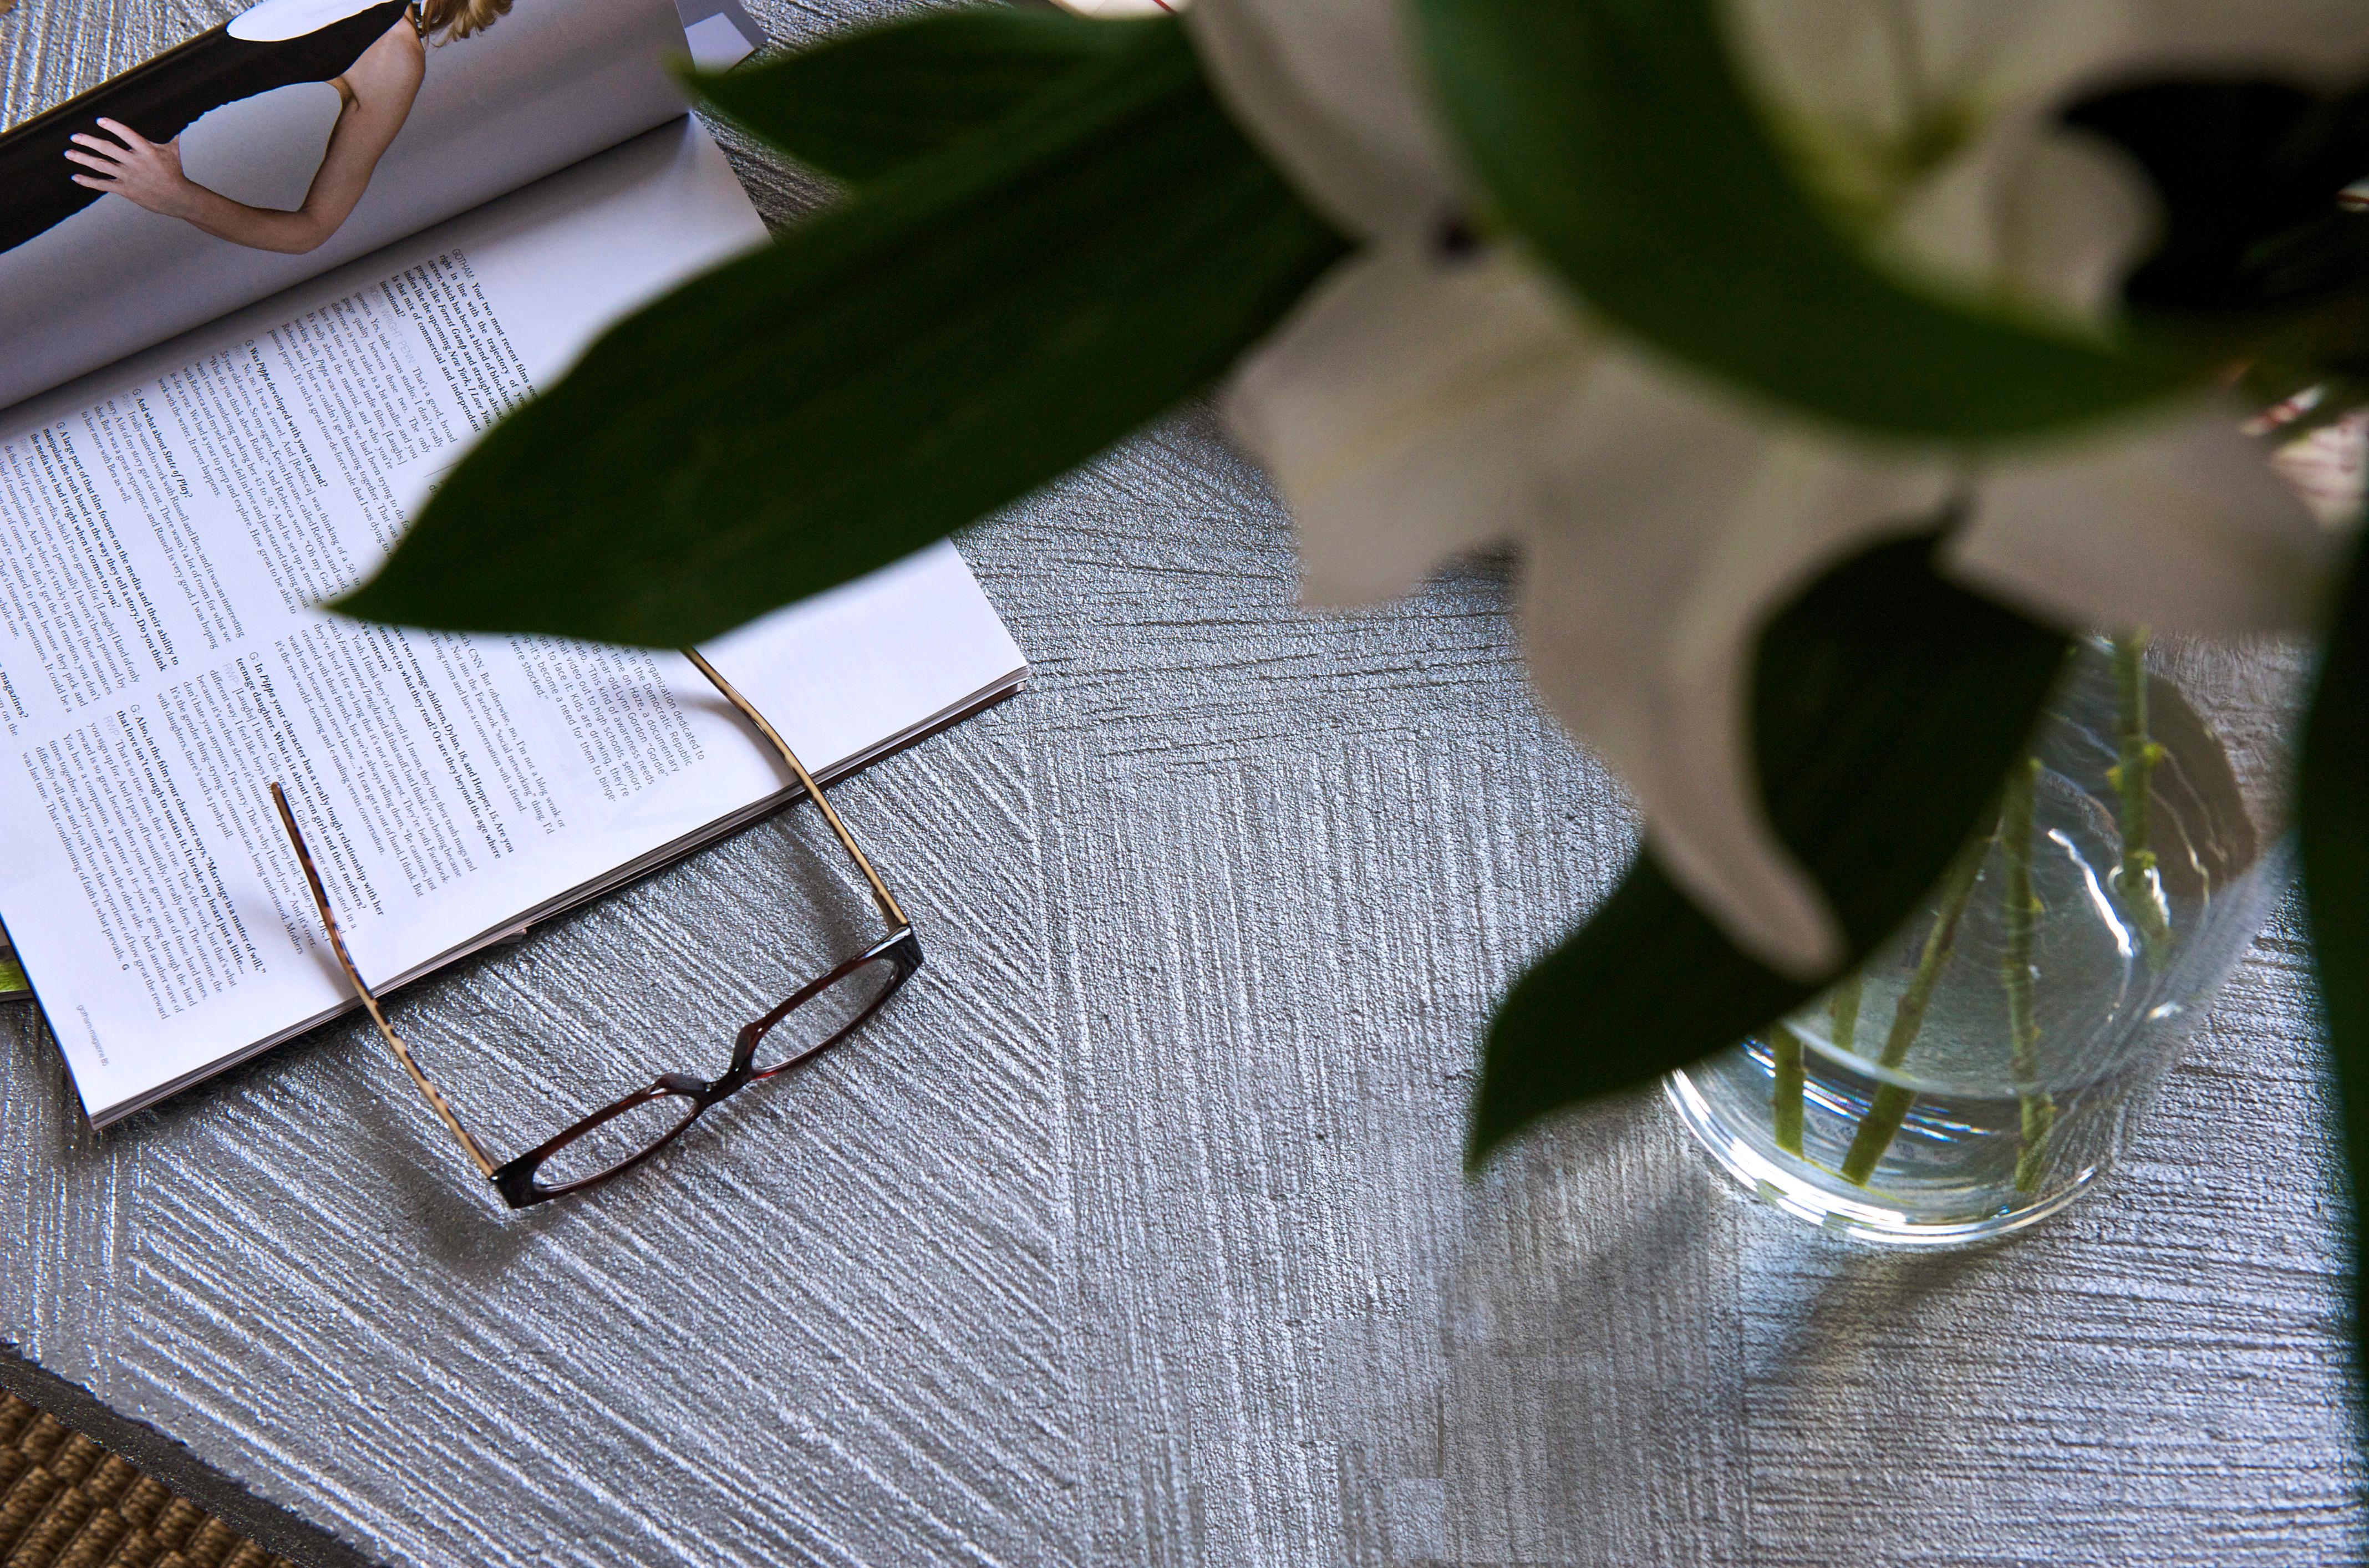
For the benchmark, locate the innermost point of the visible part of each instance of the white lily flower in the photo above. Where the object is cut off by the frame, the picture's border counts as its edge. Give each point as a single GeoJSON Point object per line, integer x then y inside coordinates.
{"type": "Point", "coordinates": [1416, 406]}
{"type": "Point", "coordinates": [1933, 121]}
{"type": "Point", "coordinates": [1121, 10]}
{"type": "Point", "coordinates": [1334, 90]}
{"type": "Point", "coordinates": [1419, 404]}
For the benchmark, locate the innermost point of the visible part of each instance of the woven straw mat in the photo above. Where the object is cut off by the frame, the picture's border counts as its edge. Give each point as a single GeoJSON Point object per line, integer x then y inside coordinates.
{"type": "Point", "coordinates": [67, 1503]}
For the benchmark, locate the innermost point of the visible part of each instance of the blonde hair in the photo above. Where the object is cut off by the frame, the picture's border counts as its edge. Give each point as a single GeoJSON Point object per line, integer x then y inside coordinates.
{"type": "Point", "coordinates": [458, 18]}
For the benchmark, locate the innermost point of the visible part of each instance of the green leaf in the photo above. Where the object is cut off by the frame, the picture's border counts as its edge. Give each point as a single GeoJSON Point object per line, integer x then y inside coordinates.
{"type": "Point", "coordinates": [2332, 834]}
{"type": "Point", "coordinates": [864, 105]}
{"type": "Point", "coordinates": [1887, 705]}
{"type": "Point", "coordinates": [1616, 136]}
{"type": "Point", "coordinates": [887, 372]}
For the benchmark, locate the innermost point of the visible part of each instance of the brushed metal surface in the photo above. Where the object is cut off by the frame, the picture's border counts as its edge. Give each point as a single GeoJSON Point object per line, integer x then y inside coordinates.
{"type": "Point", "coordinates": [1135, 1231]}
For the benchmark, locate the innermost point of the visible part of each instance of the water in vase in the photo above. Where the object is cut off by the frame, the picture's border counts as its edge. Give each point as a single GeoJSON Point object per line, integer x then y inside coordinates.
{"type": "Point", "coordinates": [1987, 1066]}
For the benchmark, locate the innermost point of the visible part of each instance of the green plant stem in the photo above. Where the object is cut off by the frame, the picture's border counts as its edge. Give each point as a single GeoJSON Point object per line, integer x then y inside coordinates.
{"type": "Point", "coordinates": [1789, 1060]}
{"type": "Point", "coordinates": [2021, 907]}
{"type": "Point", "coordinates": [1785, 1048]}
{"type": "Point", "coordinates": [2137, 886]}
{"type": "Point", "coordinates": [1890, 1107]}
{"type": "Point", "coordinates": [1842, 1012]}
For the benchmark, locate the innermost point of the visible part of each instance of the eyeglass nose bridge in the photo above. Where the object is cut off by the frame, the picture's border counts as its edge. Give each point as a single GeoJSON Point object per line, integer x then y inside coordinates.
{"type": "Point", "coordinates": [744, 1046]}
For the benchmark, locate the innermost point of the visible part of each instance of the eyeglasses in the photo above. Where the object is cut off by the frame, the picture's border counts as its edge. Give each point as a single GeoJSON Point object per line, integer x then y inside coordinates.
{"type": "Point", "coordinates": [619, 1135]}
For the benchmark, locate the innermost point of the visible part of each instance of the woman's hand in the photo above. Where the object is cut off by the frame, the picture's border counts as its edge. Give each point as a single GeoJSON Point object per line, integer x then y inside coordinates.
{"type": "Point", "coordinates": [146, 172]}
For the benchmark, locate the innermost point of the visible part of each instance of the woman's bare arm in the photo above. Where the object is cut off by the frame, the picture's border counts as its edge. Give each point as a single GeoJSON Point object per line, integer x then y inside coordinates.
{"type": "Point", "coordinates": [384, 82]}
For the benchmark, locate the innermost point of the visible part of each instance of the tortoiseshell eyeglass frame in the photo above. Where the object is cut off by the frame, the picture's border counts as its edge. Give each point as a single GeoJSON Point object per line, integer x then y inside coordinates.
{"type": "Point", "coordinates": [516, 1180]}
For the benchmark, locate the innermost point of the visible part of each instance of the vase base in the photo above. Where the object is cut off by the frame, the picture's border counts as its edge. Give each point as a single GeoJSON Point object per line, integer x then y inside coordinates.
{"type": "Point", "coordinates": [1826, 1199]}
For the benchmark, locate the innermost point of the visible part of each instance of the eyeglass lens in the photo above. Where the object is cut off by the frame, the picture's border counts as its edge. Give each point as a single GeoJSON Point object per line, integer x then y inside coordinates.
{"type": "Point", "coordinates": [602, 1148]}
{"type": "Point", "coordinates": [641, 1124]}
{"type": "Point", "coordinates": [824, 1017]}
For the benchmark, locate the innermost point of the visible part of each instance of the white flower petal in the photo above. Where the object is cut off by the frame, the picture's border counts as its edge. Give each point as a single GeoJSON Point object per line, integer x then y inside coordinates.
{"type": "Point", "coordinates": [1934, 122]}
{"type": "Point", "coordinates": [1990, 57]}
{"type": "Point", "coordinates": [1886, 69]}
{"type": "Point", "coordinates": [2180, 524]}
{"type": "Point", "coordinates": [1881, 70]}
{"type": "Point", "coordinates": [2034, 216]}
{"type": "Point", "coordinates": [2330, 469]}
{"type": "Point", "coordinates": [1121, 10]}
{"type": "Point", "coordinates": [1402, 410]}
{"type": "Point", "coordinates": [1681, 523]}
{"type": "Point", "coordinates": [1334, 91]}
{"type": "Point", "coordinates": [2321, 43]}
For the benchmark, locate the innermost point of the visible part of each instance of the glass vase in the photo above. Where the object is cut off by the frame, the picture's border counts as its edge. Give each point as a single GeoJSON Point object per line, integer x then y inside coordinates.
{"type": "Point", "coordinates": [1988, 1066]}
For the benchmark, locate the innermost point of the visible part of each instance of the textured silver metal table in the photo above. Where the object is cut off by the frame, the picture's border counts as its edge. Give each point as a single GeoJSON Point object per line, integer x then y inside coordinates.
{"type": "Point", "coordinates": [1136, 1233]}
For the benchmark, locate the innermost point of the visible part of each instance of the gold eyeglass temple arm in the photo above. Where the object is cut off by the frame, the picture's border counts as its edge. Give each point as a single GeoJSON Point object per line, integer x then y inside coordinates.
{"type": "Point", "coordinates": [880, 893]}
{"type": "Point", "coordinates": [378, 1015]}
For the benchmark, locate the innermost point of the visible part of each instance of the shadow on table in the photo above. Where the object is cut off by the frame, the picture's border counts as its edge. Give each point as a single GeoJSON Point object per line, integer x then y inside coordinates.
{"type": "Point", "coordinates": [1596, 1378]}
{"type": "Point", "coordinates": [1573, 1392]}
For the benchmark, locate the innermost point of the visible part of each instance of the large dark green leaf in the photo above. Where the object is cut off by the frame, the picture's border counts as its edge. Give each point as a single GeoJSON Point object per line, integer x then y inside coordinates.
{"type": "Point", "coordinates": [2332, 830]}
{"type": "Point", "coordinates": [1887, 705]}
{"type": "Point", "coordinates": [1618, 137]}
{"type": "Point", "coordinates": [864, 105]}
{"type": "Point", "coordinates": [944, 342]}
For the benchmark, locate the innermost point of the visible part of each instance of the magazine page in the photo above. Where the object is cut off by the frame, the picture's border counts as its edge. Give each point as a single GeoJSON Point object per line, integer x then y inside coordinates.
{"type": "Point", "coordinates": [297, 136]}
{"type": "Point", "coordinates": [166, 524]}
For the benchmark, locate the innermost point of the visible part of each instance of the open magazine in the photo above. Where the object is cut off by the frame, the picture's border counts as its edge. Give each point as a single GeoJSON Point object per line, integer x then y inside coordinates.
{"type": "Point", "coordinates": [291, 269]}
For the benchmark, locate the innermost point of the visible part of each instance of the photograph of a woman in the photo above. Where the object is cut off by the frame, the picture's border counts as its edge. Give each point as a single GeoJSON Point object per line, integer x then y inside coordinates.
{"type": "Point", "coordinates": [121, 139]}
